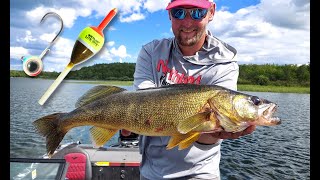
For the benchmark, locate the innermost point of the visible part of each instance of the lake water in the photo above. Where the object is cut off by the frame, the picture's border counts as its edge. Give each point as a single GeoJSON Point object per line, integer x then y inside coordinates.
{"type": "Point", "coordinates": [279, 152]}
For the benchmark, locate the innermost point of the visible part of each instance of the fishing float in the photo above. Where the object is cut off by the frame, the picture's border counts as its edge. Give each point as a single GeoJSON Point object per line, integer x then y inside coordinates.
{"type": "Point", "coordinates": [89, 43]}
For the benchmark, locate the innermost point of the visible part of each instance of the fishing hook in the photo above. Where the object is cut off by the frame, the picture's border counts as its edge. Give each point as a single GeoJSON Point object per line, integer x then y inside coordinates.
{"type": "Point", "coordinates": [47, 49]}
{"type": "Point", "coordinates": [32, 65]}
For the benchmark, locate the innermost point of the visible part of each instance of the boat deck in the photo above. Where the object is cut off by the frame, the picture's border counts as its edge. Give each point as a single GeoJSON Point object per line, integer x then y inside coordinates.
{"type": "Point", "coordinates": [118, 162]}
{"type": "Point", "coordinates": [112, 154]}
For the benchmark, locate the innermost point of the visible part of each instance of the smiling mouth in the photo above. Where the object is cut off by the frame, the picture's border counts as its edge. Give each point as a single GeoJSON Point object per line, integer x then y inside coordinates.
{"type": "Point", "coordinates": [187, 30]}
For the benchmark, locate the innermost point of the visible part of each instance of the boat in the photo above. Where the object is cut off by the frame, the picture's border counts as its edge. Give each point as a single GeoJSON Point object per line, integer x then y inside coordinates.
{"type": "Point", "coordinates": [77, 161]}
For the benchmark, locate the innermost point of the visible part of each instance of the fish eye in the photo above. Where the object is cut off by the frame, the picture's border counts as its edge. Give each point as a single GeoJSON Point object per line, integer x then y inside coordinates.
{"type": "Point", "coordinates": [256, 100]}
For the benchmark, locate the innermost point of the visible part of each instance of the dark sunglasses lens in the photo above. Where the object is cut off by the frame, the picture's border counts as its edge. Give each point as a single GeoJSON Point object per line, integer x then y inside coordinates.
{"type": "Point", "coordinates": [198, 13]}
{"type": "Point", "coordinates": [178, 13]}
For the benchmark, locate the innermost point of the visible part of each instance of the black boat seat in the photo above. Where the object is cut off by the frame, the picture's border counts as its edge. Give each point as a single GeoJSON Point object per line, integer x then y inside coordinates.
{"type": "Point", "coordinates": [79, 162]}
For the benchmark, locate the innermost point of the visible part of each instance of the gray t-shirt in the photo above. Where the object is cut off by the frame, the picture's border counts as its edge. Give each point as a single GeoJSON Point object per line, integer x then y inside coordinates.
{"type": "Point", "coordinates": [160, 63]}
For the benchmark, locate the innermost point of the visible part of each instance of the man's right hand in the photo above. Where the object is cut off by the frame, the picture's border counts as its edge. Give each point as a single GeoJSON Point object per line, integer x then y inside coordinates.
{"type": "Point", "coordinates": [125, 132]}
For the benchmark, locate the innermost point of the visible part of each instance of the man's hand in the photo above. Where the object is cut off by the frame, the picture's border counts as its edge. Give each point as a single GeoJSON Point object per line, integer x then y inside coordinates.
{"type": "Point", "coordinates": [213, 138]}
{"type": "Point", "coordinates": [228, 135]}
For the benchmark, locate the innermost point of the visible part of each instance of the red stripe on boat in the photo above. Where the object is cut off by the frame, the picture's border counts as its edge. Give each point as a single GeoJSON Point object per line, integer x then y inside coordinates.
{"type": "Point", "coordinates": [124, 164]}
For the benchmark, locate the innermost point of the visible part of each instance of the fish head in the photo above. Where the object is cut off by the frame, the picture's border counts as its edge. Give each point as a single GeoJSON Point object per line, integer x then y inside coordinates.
{"type": "Point", "coordinates": [237, 109]}
{"type": "Point", "coordinates": [255, 110]}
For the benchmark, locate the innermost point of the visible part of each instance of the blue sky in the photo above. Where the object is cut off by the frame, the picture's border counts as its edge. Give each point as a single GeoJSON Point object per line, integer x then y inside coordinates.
{"type": "Point", "coordinates": [263, 31]}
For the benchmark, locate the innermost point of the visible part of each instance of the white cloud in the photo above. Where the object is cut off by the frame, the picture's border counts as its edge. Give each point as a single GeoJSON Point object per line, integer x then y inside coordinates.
{"type": "Point", "coordinates": [155, 5]}
{"type": "Point", "coordinates": [18, 52]}
{"type": "Point", "coordinates": [110, 43]}
{"type": "Point", "coordinates": [125, 8]}
{"type": "Point", "coordinates": [120, 52]}
{"type": "Point", "coordinates": [132, 17]}
{"type": "Point", "coordinates": [68, 15]}
{"type": "Point", "coordinates": [287, 13]}
{"type": "Point", "coordinates": [28, 37]}
{"type": "Point", "coordinates": [48, 37]}
{"type": "Point", "coordinates": [270, 32]}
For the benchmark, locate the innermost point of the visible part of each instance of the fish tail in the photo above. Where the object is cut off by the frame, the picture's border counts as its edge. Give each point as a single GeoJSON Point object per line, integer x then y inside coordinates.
{"type": "Point", "coordinates": [50, 127]}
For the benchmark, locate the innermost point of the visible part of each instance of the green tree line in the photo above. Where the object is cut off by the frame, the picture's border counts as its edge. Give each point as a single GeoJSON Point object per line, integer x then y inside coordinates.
{"type": "Point", "coordinates": [277, 75]}
{"type": "Point", "coordinates": [266, 74]}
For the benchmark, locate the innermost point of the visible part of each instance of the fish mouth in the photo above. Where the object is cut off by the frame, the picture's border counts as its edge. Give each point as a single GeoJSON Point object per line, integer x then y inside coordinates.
{"type": "Point", "coordinates": [266, 115]}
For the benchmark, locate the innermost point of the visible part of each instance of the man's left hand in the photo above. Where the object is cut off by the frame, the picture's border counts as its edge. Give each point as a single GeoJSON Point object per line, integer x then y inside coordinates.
{"type": "Point", "coordinates": [213, 138]}
{"type": "Point", "coordinates": [229, 135]}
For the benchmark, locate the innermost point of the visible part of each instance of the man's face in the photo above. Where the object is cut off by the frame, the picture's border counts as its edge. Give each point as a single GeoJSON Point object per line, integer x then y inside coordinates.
{"type": "Point", "coordinates": [188, 31]}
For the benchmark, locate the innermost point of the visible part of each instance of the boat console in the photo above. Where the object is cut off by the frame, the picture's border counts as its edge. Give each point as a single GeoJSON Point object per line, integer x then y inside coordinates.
{"type": "Point", "coordinates": [75, 161]}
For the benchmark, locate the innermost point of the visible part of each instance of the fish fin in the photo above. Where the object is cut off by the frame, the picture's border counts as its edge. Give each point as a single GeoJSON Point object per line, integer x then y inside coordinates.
{"type": "Point", "coordinates": [193, 122]}
{"type": "Point", "coordinates": [175, 140]}
{"type": "Point", "coordinates": [97, 92]}
{"type": "Point", "coordinates": [229, 125]}
{"type": "Point", "coordinates": [50, 127]}
{"type": "Point", "coordinates": [181, 138]}
{"type": "Point", "coordinates": [100, 135]}
{"type": "Point", "coordinates": [187, 142]}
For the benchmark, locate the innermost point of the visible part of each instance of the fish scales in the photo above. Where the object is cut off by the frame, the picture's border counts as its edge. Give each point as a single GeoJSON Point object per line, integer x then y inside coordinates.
{"type": "Point", "coordinates": [159, 113]}
{"type": "Point", "coordinates": [141, 111]}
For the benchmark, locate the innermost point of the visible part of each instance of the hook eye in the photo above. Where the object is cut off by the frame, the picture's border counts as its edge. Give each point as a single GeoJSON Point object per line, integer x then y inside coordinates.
{"type": "Point", "coordinates": [32, 65]}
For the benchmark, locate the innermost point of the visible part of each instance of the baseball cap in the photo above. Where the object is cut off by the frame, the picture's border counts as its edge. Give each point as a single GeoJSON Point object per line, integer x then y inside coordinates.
{"type": "Point", "coordinates": [197, 3]}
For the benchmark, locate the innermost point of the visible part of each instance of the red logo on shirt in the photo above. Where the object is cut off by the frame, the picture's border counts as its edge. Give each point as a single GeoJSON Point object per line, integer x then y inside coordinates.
{"type": "Point", "coordinates": [173, 76]}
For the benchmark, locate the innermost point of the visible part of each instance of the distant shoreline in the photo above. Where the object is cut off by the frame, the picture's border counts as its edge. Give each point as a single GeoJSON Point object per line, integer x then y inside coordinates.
{"type": "Point", "coordinates": [116, 83]}
{"type": "Point", "coordinates": [241, 87]}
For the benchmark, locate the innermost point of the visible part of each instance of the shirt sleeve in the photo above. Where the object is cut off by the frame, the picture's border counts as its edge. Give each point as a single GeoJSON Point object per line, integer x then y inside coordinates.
{"type": "Point", "coordinates": [144, 75]}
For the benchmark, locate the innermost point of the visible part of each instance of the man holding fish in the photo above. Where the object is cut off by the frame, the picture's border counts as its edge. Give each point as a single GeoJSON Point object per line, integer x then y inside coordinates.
{"type": "Point", "coordinates": [185, 102]}
{"type": "Point", "coordinates": [193, 56]}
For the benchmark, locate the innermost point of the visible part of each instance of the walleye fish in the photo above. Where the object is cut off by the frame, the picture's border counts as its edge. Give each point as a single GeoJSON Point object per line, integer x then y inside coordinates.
{"type": "Point", "coordinates": [182, 111]}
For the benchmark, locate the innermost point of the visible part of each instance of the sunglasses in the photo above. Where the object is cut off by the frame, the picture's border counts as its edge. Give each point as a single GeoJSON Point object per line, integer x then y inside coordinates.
{"type": "Point", "coordinates": [196, 13]}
